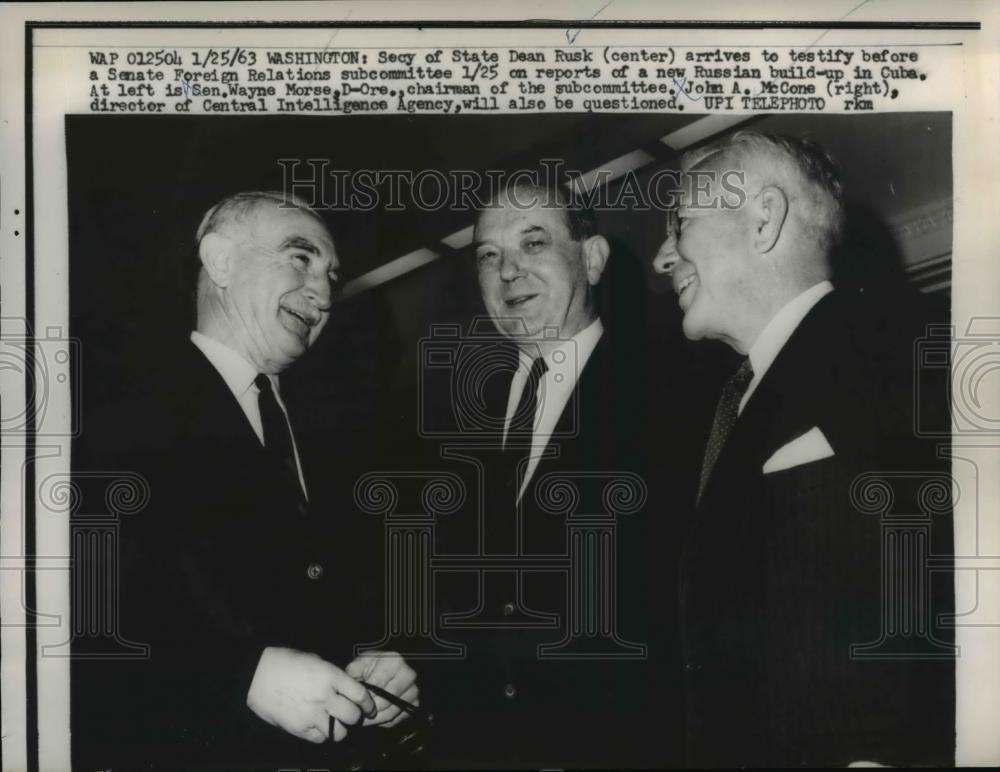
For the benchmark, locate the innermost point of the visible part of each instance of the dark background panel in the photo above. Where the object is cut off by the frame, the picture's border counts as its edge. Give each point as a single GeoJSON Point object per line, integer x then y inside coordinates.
{"type": "Point", "coordinates": [139, 185]}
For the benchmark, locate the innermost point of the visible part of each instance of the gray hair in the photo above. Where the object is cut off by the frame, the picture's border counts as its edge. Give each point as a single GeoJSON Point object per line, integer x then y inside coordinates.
{"type": "Point", "coordinates": [241, 207]}
{"type": "Point", "coordinates": [811, 177]}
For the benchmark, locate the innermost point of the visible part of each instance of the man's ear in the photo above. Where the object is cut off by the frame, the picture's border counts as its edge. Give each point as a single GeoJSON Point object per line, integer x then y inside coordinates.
{"type": "Point", "coordinates": [216, 253]}
{"type": "Point", "coordinates": [595, 257]}
{"type": "Point", "coordinates": [771, 209]}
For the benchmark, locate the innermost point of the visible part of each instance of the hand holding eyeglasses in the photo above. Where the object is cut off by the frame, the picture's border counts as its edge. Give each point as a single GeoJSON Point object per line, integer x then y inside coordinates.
{"type": "Point", "coordinates": [307, 696]}
{"type": "Point", "coordinates": [387, 675]}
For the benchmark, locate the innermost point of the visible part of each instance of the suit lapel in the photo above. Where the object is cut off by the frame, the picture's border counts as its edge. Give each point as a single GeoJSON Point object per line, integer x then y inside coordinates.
{"type": "Point", "coordinates": [779, 408]}
{"type": "Point", "coordinates": [785, 403]}
{"type": "Point", "coordinates": [570, 435]}
{"type": "Point", "coordinates": [218, 424]}
{"type": "Point", "coordinates": [209, 405]}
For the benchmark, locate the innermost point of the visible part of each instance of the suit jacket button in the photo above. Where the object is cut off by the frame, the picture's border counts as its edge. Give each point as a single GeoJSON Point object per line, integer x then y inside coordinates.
{"type": "Point", "coordinates": [315, 571]}
{"type": "Point", "coordinates": [508, 609]}
{"type": "Point", "coordinates": [509, 691]}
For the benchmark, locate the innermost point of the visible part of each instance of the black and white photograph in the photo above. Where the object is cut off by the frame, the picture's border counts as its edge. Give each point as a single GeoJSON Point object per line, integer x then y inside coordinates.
{"type": "Point", "coordinates": [625, 428]}
{"type": "Point", "coordinates": [540, 598]}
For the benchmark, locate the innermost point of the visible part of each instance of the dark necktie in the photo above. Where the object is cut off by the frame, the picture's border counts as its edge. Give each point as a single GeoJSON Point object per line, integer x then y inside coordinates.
{"type": "Point", "coordinates": [278, 439]}
{"type": "Point", "coordinates": [500, 534]}
{"type": "Point", "coordinates": [523, 420]}
{"type": "Point", "coordinates": [725, 418]}
{"type": "Point", "coordinates": [522, 424]}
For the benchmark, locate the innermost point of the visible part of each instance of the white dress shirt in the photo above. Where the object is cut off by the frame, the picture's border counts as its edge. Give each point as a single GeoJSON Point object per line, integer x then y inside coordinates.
{"type": "Point", "coordinates": [776, 333]}
{"type": "Point", "coordinates": [239, 376]}
{"type": "Point", "coordinates": [565, 363]}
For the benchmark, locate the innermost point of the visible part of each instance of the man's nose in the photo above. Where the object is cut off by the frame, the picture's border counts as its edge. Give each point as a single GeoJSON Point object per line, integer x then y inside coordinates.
{"type": "Point", "coordinates": [319, 291]}
{"type": "Point", "coordinates": [510, 266]}
{"type": "Point", "coordinates": [666, 258]}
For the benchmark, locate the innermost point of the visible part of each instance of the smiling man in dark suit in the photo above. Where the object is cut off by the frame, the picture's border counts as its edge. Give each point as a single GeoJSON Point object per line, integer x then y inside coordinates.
{"type": "Point", "coordinates": [227, 574]}
{"type": "Point", "coordinates": [560, 663]}
{"type": "Point", "coordinates": [782, 574]}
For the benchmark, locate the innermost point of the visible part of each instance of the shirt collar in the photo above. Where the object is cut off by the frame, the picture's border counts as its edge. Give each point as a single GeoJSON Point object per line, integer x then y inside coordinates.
{"type": "Point", "coordinates": [570, 356]}
{"type": "Point", "coordinates": [565, 364]}
{"type": "Point", "coordinates": [777, 331]}
{"type": "Point", "coordinates": [236, 371]}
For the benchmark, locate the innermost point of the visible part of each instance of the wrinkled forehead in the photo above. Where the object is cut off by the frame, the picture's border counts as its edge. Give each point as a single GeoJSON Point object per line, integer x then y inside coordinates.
{"type": "Point", "coordinates": [279, 227]}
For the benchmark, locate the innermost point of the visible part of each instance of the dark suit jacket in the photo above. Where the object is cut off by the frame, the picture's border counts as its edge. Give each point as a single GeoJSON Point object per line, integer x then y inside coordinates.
{"type": "Point", "coordinates": [221, 564]}
{"type": "Point", "coordinates": [782, 573]}
{"type": "Point", "coordinates": [504, 705]}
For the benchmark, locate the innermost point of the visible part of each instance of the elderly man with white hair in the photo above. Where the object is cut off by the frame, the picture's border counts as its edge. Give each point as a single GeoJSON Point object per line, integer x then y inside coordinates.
{"type": "Point", "coordinates": [792, 655]}
{"type": "Point", "coordinates": [227, 574]}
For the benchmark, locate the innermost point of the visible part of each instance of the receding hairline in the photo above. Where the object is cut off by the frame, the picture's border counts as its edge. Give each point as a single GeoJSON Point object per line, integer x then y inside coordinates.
{"type": "Point", "coordinates": [578, 221]}
{"type": "Point", "coordinates": [242, 207]}
{"type": "Point", "coordinates": [784, 161]}
{"type": "Point", "coordinates": [746, 149]}
{"type": "Point", "coordinates": [706, 155]}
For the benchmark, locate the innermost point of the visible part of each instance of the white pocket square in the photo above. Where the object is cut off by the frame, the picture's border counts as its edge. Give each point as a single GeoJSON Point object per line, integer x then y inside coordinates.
{"type": "Point", "coordinates": [809, 447]}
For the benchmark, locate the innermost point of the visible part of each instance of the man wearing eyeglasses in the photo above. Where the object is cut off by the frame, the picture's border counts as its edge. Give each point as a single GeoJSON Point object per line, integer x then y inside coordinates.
{"type": "Point", "coordinates": [227, 573]}
{"type": "Point", "coordinates": [784, 576]}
